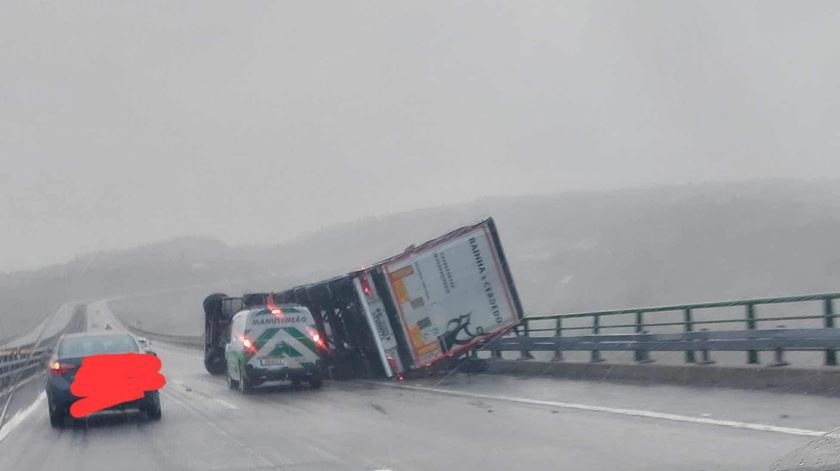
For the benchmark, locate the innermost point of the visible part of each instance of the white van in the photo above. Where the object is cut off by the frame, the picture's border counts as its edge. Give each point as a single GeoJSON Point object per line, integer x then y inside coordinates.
{"type": "Point", "coordinates": [273, 343]}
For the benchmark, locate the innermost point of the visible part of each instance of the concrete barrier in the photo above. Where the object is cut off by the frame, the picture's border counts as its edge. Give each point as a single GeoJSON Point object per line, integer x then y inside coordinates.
{"type": "Point", "coordinates": [822, 381]}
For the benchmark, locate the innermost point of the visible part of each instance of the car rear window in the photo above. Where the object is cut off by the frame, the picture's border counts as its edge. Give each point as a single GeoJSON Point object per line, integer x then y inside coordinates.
{"type": "Point", "coordinates": [84, 346]}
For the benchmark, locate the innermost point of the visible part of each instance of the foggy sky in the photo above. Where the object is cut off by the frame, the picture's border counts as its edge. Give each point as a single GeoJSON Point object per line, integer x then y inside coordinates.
{"type": "Point", "coordinates": [126, 122]}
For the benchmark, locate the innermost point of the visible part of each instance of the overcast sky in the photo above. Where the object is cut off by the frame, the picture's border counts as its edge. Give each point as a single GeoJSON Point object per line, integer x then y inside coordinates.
{"type": "Point", "coordinates": [123, 122]}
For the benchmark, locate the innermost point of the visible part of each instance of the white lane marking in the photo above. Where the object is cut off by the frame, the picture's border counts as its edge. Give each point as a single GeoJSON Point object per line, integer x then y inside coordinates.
{"type": "Point", "coordinates": [265, 461]}
{"type": "Point", "coordinates": [225, 403]}
{"type": "Point", "coordinates": [10, 388]}
{"type": "Point", "coordinates": [179, 353]}
{"type": "Point", "coordinates": [617, 411]}
{"type": "Point", "coordinates": [204, 396]}
{"type": "Point", "coordinates": [20, 416]}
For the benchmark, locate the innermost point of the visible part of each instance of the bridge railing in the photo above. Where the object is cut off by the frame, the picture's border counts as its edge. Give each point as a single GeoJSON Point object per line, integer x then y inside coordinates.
{"type": "Point", "coordinates": [20, 362]}
{"type": "Point", "coordinates": [16, 363]}
{"type": "Point", "coordinates": [595, 331]}
{"type": "Point", "coordinates": [192, 341]}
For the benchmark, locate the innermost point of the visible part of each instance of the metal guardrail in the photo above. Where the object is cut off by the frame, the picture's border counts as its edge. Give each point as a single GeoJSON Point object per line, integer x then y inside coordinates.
{"type": "Point", "coordinates": [184, 340]}
{"type": "Point", "coordinates": [19, 362]}
{"type": "Point", "coordinates": [692, 341]}
{"type": "Point", "coordinates": [751, 339]}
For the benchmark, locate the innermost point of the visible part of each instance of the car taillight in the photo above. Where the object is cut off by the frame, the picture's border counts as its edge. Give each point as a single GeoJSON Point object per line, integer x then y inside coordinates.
{"type": "Point", "coordinates": [60, 369]}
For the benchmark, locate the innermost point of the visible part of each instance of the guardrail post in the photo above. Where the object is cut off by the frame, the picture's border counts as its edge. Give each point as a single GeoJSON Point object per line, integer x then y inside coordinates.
{"type": "Point", "coordinates": [830, 355]}
{"type": "Point", "coordinates": [641, 356]}
{"type": "Point", "coordinates": [779, 354]}
{"type": "Point", "coordinates": [596, 328]}
{"type": "Point", "coordinates": [689, 327]}
{"type": "Point", "coordinates": [705, 359]}
{"type": "Point", "coordinates": [496, 354]}
{"type": "Point", "coordinates": [752, 355]}
{"type": "Point", "coordinates": [525, 354]}
{"type": "Point", "coordinates": [558, 332]}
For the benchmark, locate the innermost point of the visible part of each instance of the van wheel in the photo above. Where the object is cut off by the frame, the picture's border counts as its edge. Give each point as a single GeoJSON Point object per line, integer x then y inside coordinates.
{"type": "Point", "coordinates": [316, 382]}
{"type": "Point", "coordinates": [244, 384]}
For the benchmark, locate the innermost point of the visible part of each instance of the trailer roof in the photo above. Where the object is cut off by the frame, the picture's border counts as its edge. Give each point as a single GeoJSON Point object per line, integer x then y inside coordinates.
{"type": "Point", "coordinates": [411, 249]}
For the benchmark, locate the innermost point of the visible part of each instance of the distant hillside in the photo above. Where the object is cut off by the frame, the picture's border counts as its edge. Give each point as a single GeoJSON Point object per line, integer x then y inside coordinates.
{"type": "Point", "coordinates": [568, 251]}
{"type": "Point", "coordinates": [591, 250]}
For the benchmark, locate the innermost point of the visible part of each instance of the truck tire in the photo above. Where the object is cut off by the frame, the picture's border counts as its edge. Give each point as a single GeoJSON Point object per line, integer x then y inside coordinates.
{"type": "Point", "coordinates": [214, 360]}
{"type": "Point", "coordinates": [315, 382]}
{"type": "Point", "coordinates": [215, 364]}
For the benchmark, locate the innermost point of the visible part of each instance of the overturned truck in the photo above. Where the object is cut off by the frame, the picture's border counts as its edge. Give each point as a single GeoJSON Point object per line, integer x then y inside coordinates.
{"type": "Point", "coordinates": [429, 305]}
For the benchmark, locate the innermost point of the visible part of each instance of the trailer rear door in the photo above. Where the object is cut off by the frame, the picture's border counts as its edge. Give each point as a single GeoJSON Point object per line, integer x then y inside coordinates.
{"type": "Point", "coordinates": [452, 292]}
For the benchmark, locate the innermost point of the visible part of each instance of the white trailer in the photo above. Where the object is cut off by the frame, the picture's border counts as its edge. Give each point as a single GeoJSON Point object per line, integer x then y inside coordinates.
{"type": "Point", "coordinates": [433, 302]}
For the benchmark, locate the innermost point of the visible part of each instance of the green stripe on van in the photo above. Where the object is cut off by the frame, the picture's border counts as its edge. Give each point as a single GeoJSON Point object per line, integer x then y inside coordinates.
{"type": "Point", "coordinates": [265, 337]}
{"type": "Point", "coordinates": [301, 337]}
{"type": "Point", "coordinates": [282, 348]}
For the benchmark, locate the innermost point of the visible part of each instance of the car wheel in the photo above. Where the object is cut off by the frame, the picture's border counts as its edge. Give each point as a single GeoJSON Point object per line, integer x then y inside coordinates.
{"type": "Point", "coordinates": [316, 382]}
{"type": "Point", "coordinates": [57, 417]}
{"type": "Point", "coordinates": [153, 410]}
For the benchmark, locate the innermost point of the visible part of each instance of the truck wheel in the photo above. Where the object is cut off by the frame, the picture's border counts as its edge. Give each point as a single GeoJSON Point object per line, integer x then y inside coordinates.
{"type": "Point", "coordinates": [214, 364]}
{"type": "Point", "coordinates": [316, 382]}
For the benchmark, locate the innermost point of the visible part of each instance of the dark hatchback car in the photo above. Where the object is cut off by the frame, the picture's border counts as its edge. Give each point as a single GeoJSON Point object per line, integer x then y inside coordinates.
{"type": "Point", "coordinates": [70, 352]}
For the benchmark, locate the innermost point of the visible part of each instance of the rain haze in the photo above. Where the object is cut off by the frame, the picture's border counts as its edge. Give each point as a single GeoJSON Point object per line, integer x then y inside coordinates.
{"type": "Point", "coordinates": [419, 235]}
{"type": "Point", "coordinates": [128, 122]}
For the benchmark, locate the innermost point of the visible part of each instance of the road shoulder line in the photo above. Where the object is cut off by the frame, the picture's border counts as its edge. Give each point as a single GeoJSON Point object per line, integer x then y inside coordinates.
{"type": "Point", "coordinates": [612, 410]}
{"type": "Point", "coordinates": [21, 416]}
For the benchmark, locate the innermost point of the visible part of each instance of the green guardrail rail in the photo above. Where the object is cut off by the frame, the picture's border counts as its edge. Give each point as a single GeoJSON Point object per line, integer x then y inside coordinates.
{"type": "Point", "coordinates": [690, 317]}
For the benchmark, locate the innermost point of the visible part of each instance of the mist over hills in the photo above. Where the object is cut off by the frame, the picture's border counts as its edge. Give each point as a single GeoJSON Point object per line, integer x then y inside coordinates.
{"type": "Point", "coordinates": [567, 251]}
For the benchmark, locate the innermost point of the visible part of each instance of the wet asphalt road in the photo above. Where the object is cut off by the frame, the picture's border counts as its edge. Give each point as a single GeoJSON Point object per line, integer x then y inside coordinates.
{"type": "Point", "coordinates": [370, 426]}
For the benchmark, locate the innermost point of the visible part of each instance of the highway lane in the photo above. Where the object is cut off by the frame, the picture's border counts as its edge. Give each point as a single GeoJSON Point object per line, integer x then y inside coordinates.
{"type": "Point", "coordinates": [52, 325]}
{"type": "Point", "coordinates": [365, 426]}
